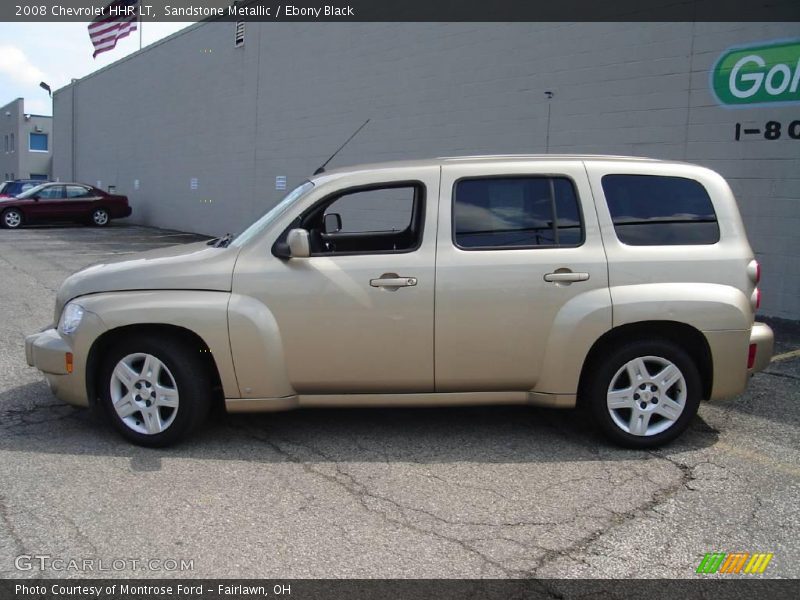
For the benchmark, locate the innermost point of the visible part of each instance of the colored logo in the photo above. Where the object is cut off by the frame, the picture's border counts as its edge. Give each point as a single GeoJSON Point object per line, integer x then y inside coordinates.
{"type": "Point", "coordinates": [734, 563]}
{"type": "Point", "coordinates": [758, 75]}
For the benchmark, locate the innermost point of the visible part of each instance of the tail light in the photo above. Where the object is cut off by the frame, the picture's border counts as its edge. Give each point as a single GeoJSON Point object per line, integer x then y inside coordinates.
{"type": "Point", "coordinates": [755, 299]}
{"type": "Point", "coordinates": [754, 271]}
{"type": "Point", "coordinates": [751, 356]}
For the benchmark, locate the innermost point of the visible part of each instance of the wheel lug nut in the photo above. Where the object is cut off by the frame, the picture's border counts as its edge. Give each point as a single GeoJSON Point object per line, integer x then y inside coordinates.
{"type": "Point", "coordinates": [655, 401]}
{"type": "Point", "coordinates": [636, 396]}
{"type": "Point", "coordinates": [643, 404]}
{"type": "Point", "coordinates": [653, 388]}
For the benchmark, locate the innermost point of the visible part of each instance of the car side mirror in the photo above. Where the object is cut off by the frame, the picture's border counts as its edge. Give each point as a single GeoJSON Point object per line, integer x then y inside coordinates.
{"type": "Point", "coordinates": [298, 242]}
{"type": "Point", "coordinates": [332, 223]}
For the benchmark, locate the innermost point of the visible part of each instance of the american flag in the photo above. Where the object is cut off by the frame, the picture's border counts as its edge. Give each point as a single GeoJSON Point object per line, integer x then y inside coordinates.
{"type": "Point", "coordinates": [118, 20]}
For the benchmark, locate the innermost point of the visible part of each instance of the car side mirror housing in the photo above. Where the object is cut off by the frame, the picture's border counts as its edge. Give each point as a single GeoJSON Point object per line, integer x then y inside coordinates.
{"type": "Point", "coordinates": [332, 223]}
{"type": "Point", "coordinates": [298, 242]}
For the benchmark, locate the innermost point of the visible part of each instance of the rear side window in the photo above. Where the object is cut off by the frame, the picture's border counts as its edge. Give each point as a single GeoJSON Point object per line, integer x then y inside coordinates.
{"type": "Point", "coordinates": [653, 210]}
{"type": "Point", "coordinates": [516, 212]}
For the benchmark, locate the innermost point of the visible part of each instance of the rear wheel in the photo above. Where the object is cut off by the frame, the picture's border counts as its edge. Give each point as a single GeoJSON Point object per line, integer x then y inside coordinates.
{"type": "Point", "coordinates": [644, 394]}
{"type": "Point", "coordinates": [12, 218]}
{"type": "Point", "coordinates": [155, 392]}
{"type": "Point", "coordinates": [100, 217]}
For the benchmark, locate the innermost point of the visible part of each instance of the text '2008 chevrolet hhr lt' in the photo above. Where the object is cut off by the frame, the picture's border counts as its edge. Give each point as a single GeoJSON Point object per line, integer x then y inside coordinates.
{"type": "Point", "coordinates": [623, 285]}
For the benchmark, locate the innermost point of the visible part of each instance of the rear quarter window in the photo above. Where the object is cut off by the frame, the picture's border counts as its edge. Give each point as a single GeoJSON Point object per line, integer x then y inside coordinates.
{"type": "Point", "coordinates": [656, 210]}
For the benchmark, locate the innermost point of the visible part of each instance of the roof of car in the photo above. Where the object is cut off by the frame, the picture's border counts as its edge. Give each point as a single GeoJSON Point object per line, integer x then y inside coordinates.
{"type": "Point", "coordinates": [443, 160]}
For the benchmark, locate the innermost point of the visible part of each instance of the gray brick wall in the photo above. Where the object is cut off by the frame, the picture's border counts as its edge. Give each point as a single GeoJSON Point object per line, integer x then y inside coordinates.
{"type": "Point", "coordinates": [235, 118]}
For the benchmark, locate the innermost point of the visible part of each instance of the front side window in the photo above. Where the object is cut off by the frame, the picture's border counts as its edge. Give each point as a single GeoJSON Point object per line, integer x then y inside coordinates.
{"type": "Point", "coordinates": [38, 142]}
{"type": "Point", "coordinates": [516, 212]}
{"type": "Point", "coordinates": [377, 219]}
{"type": "Point", "coordinates": [52, 192]}
{"type": "Point", "coordinates": [656, 210]}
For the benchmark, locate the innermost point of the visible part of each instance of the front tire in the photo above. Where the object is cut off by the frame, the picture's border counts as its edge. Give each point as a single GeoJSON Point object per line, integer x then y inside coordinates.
{"type": "Point", "coordinates": [644, 394]}
{"type": "Point", "coordinates": [12, 218]}
{"type": "Point", "coordinates": [100, 217]}
{"type": "Point", "coordinates": [154, 391]}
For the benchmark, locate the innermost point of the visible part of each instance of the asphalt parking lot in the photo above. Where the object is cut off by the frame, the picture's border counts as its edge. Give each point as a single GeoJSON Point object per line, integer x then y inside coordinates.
{"type": "Point", "coordinates": [422, 493]}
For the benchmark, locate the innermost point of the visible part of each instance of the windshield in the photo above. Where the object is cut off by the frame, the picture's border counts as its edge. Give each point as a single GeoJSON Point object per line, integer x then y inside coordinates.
{"type": "Point", "coordinates": [272, 215]}
{"type": "Point", "coordinates": [30, 192]}
{"type": "Point", "coordinates": [3, 185]}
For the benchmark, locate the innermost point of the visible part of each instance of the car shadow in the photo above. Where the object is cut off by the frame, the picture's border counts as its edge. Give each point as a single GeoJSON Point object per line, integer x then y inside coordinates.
{"type": "Point", "coordinates": [32, 420]}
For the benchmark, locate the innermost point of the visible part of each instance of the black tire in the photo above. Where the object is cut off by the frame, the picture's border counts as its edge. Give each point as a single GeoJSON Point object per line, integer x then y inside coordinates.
{"type": "Point", "coordinates": [8, 220]}
{"type": "Point", "coordinates": [610, 367]}
{"type": "Point", "coordinates": [100, 217]}
{"type": "Point", "coordinates": [184, 365]}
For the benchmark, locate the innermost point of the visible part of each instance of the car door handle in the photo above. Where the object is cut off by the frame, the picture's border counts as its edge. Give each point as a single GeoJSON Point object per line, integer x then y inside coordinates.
{"type": "Point", "coordinates": [565, 276]}
{"type": "Point", "coordinates": [392, 280]}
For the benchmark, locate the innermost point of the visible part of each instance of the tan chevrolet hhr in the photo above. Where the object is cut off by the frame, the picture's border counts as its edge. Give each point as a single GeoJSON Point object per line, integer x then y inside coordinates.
{"type": "Point", "coordinates": [623, 284]}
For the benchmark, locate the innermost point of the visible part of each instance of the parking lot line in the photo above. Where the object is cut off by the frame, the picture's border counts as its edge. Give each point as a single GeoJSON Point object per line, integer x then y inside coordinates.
{"type": "Point", "coordinates": [786, 355]}
{"type": "Point", "coordinates": [759, 457]}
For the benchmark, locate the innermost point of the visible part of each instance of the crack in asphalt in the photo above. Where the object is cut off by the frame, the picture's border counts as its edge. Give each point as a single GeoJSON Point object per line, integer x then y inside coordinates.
{"type": "Point", "coordinates": [13, 418]}
{"type": "Point", "coordinates": [5, 518]}
{"type": "Point", "coordinates": [785, 375]}
{"type": "Point", "coordinates": [366, 498]}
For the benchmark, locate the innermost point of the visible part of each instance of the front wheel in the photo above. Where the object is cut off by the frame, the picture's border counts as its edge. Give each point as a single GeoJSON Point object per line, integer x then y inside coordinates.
{"type": "Point", "coordinates": [155, 391]}
{"type": "Point", "coordinates": [12, 218]}
{"type": "Point", "coordinates": [644, 394]}
{"type": "Point", "coordinates": [100, 217]}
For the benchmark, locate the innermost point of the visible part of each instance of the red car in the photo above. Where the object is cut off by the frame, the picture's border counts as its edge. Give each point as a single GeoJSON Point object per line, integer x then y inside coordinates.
{"type": "Point", "coordinates": [63, 202]}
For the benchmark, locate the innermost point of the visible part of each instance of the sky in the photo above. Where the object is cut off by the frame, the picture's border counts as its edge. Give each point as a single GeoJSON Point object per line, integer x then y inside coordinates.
{"type": "Point", "coordinates": [57, 53]}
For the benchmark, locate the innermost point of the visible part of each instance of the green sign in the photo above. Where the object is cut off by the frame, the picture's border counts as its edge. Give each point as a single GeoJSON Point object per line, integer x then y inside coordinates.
{"type": "Point", "coordinates": [758, 75]}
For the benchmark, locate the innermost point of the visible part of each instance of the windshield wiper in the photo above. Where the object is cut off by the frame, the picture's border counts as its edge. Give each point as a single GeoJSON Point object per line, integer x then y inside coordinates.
{"type": "Point", "coordinates": [222, 242]}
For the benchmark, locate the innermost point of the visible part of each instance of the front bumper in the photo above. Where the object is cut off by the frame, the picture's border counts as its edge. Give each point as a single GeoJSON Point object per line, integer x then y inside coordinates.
{"type": "Point", "coordinates": [48, 350]}
{"type": "Point", "coordinates": [763, 339]}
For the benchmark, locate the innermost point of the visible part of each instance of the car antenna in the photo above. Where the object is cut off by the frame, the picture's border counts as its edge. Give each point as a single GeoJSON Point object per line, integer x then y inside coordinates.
{"type": "Point", "coordinates": [322, 168]}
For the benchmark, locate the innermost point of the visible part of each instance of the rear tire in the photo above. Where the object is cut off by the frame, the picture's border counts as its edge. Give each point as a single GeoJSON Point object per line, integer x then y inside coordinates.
{"type": "Point", "coordinates": [155, 391]}
{"type": "Point", "coordinates": [12, 218]}
{"type": "Point", "coordinates": [644, 394]}
{"type": "Point", "coordinates": [100, 217]}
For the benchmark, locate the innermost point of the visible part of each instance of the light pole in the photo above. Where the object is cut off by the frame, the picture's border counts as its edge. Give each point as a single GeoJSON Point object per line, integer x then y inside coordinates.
{"type": "Point", "coordinates": [549, 95]}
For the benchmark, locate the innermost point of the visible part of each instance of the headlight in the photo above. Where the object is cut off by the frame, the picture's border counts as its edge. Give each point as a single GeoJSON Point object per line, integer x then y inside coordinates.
{"type": "Point", "coordinates": [70, 318]}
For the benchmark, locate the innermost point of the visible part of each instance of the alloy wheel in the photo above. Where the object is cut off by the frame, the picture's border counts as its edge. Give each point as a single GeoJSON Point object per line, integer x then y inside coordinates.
{"type": "Point", "coordinates": [646, 396]}
{"type": "Point", "coordinates": [12, 219]}
{"type": "Point", "coordinates": [100, 217]}
{"type": "Point", "coordinates": [144, 393]}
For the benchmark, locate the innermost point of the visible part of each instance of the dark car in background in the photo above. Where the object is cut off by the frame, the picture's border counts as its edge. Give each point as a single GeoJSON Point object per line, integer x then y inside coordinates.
{"type": "Point", "coordinates": [9, 189]}
{"type": "Point", "coordinates": [63, 202]}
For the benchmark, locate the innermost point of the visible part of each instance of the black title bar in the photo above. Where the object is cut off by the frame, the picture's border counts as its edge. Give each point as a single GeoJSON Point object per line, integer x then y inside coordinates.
{"type": "Point", "coordinates": [412, 10]}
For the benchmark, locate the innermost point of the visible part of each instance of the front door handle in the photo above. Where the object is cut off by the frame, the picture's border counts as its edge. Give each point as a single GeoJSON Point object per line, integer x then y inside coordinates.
{"type": "Point", "coordinates": [393, 281]}
{"type": "Point", "coordinates": [565, 276]}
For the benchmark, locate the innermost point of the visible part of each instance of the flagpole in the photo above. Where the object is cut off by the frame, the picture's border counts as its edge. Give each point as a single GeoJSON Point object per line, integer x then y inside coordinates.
{"type": "Point", "coordinates": [140, 31]}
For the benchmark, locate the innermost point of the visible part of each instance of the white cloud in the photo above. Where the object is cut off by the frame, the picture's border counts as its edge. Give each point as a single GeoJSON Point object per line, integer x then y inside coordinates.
{"type": "Point", "coordinates": [15, 64]}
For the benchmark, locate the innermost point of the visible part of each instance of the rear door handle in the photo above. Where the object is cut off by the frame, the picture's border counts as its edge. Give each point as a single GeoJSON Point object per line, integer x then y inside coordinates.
{"type": "Point", "coordinates": [392, 280]}
{"type": "Point", "coordinates": [565, 277]}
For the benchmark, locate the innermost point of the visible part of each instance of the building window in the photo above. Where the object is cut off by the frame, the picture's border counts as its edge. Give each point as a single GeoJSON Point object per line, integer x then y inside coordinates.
{"type": "Point", "coordinates": [655, 210]}
{"type": "Point", "coordinates": [38, 142]}
{"type": "Point", "coordinates": [516, 212]}
{"type": "Point", "coordinates": [38, 176]}
{"type": "Point", "coordinates": [238, 41]}
{"type": "Point", "coordinates": [6, 140]}
{"type": "Point", "coordinates": [11, 144]}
